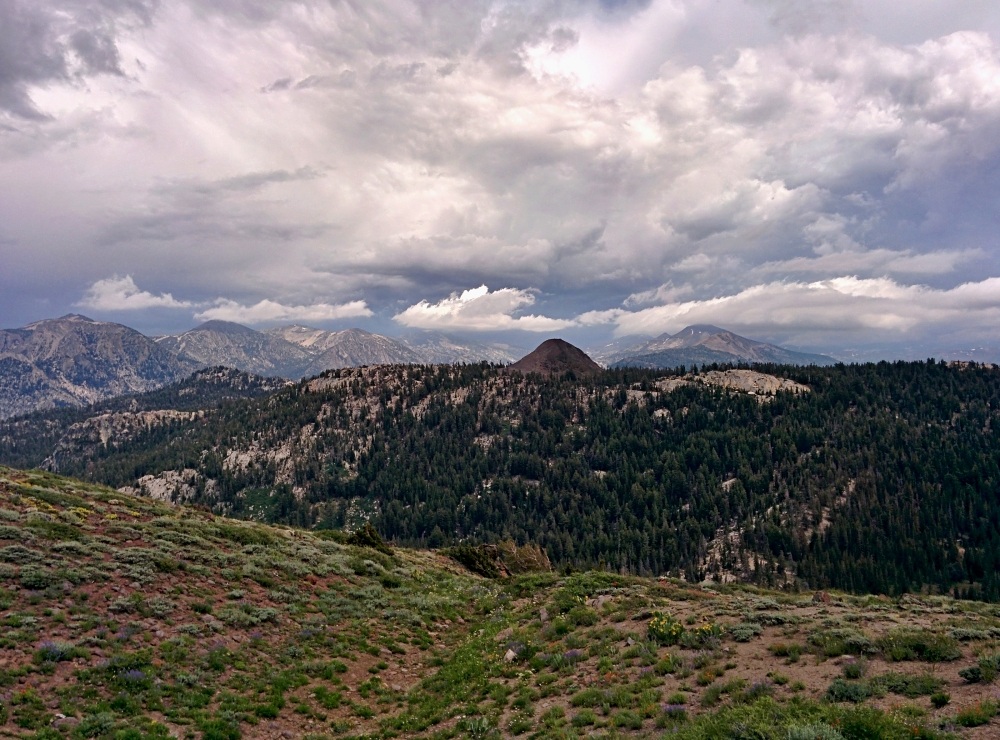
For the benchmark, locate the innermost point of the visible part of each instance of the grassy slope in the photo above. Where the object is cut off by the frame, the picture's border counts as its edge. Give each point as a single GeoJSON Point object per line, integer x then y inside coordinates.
{"type": "Point", "coordinates": [127, 617]}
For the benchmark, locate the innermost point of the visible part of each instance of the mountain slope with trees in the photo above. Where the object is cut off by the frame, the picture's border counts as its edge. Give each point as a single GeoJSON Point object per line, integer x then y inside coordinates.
{"type": "Point", "coordinates": [882, 478]}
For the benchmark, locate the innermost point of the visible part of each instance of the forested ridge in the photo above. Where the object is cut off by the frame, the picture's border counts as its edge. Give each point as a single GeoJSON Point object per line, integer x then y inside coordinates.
{"type": "Point", "coordinates": [881, 478]}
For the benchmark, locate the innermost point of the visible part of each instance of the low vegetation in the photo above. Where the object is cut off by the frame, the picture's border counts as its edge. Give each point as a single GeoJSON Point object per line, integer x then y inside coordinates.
{"type": "Point", "coordinates": [124, 617]}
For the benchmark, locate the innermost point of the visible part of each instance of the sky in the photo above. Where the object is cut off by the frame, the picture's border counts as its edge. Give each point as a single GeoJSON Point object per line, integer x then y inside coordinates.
{"type": "Point", "coordinates": [823, 174]}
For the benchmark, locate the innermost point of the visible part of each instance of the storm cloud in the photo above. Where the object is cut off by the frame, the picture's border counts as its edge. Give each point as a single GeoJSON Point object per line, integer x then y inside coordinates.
{"type": "Point", "coordinates": [823, 172]}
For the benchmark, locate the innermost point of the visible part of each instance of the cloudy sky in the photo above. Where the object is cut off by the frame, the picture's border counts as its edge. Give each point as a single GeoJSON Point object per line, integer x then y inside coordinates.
{"type": "Point", "coordinates": [822, 173]}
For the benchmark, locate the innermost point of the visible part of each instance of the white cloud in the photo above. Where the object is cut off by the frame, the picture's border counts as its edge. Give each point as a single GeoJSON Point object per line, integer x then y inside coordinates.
{"type": "Point", "coordinates": [666, 293]}
{"type": "Point", "coordinates": [876, 307]}
{"type": "Point", "coordinates": [882, 261]}
{"type": "Point", "coordinates": [266, 311]}
{"type": "Point", "coordinates": [479, 309]}
{"type": "Point", "coordinates": [122, 294]}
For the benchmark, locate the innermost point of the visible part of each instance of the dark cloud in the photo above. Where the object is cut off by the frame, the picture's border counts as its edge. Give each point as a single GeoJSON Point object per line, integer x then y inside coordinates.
{"type": "Point", "coordinates": [811, 16]}
{"type": "Point", "coordinates": [564, 38]}
{"type": "Point", "coordinates": [46, 42]}
{"type": "Point", "coordinates": [283, 84]}
{"type": "Point", "coordinates": [640, 159]}
{"type": "Point", "coordinates": [384, 72]}
{"type": "Point", "coordinates": [97, 52]}
{"type": "Point", "coordinates": [256, 180]}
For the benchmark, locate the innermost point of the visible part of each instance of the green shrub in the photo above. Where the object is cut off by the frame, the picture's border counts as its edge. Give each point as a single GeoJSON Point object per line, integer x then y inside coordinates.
{"type": "Point", "coordinates": [54, 651]}
{"type": "Point", "coordinates": [855, 669]}
{"type": "Point", "coordinates": [628, 719]}
{"type": "Point", "coordinates": [846, 691]}
{"type": "Point", "coordinates": [667, 664]}
{"type": "Point", "coordinates": [977, 715]}
{"type": "Point", "coordinates": [37, 579]}
{"type": "Point", "coordinates": [54, 530]}
{"type": "Point", "coordinates": [246, 615]}
{"type": "Point", "coordinates": [834, 642]}
{"type": "Point", "coordinates": [985, 671]}
{"type": "Point", "coordinates": [711, 695]}
{"type": "Point", "coordinates": [940, 699]}
{"type": "Point", "coordinates": [916, 644]}
{"type": "Point", "coordinates": [589, 698]}
{"type": "Point", "coordinates": [583, 616]}
{"type": "Point", "coordinates": [705, 635]}
{"type": "Point", "coordinates": [245, 534]}
{"type": "Point", "coordinates": [792, 651]}
{"type": "Point", "coordinates": [368, 536]}
{"type": "Point", "coordinates": [964, 634]}
{"type": "Point", "coordinates": [744, 632]}
{"type": "Point", "coordinates": [906, 685]}
{"type": "Point", "coordinates": [96, 725]}
{"type": "Point", "coordinates": [816, 731]}
{"type": "Point", "coordinates": [20, 555]}
{"type": "Point", "coordinates": [664, 629]}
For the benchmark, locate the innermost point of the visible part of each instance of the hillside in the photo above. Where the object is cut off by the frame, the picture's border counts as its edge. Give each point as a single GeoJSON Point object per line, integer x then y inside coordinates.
{"type": "Point", "coordinates": [879, 478]}
{"type": "Point", "coordinates": [28, 440]}
{"type": "Point", "coordinates": [126, 617]}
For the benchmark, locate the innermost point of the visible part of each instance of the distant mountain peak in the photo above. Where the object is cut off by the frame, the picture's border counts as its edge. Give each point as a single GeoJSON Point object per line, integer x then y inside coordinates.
{"type": "Point", "coordinates": [224, 327]}
{"type": "Point", "coordinates": [556, 356]}
{"type": "Point", "coordinates": [701, 344]}
{"type": "Point", "coordinates": [74, 360]}
{"type": "Point", "coordinates": [702, 329]}
{"type": "Point", "coordinates": [68, 318]}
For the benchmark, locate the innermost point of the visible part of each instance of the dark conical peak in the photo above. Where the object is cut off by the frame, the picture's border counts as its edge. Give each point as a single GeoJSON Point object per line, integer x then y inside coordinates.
{"type": "Point", "coordinates": [556, 356]}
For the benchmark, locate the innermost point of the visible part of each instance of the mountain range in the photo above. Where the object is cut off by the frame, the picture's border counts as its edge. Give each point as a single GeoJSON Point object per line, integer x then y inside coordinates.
{"type": "Point", "coordinates": [74, 361]}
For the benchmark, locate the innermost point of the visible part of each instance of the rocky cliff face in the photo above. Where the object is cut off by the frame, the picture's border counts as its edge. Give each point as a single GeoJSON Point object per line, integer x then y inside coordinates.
{"type": "Point", "coordinates": [73, 361]}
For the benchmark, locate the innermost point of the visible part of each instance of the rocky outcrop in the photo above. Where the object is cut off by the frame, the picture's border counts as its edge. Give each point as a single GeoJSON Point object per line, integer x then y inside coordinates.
{"type": "Point", "coordinates": [762, 385]}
